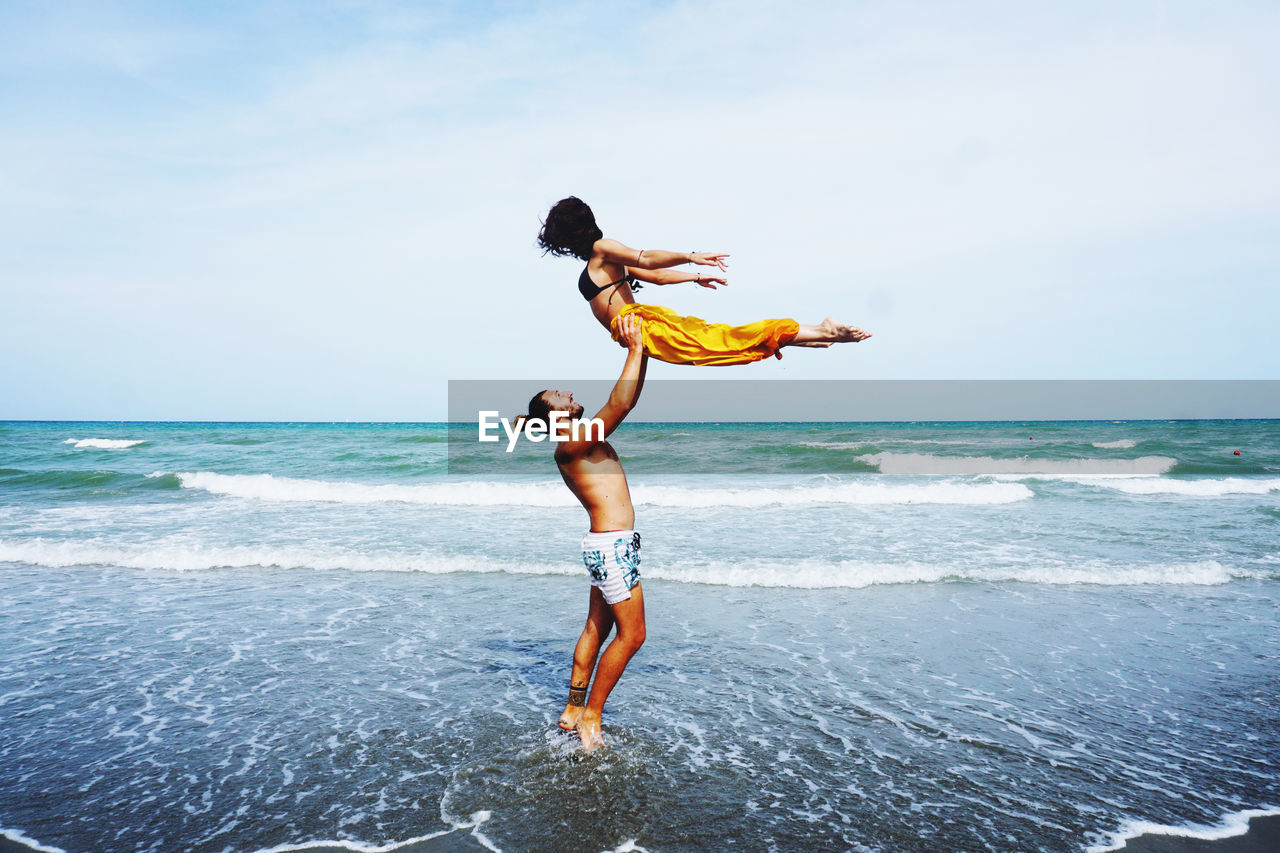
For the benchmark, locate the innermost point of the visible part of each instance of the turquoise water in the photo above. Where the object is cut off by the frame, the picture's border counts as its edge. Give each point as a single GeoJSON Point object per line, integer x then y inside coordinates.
{"type": "Point", "coordinates": [861, 636]}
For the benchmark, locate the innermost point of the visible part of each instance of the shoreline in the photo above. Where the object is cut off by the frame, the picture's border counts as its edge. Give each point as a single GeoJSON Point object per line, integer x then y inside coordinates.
{"type": "Point", "coordinates": [1254, 831]}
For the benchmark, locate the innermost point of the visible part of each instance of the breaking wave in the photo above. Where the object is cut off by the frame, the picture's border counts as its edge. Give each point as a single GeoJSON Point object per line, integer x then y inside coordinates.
{"type": "Point", "coordinates": [1209, 488]}
{"type": "Point", "coordinates": [482, 493]}
{"type": "Point", "coordinates": [104, 443]}
{"type": "Point", "coordinates": [803, 574]}
{"type": "Point", "coordinates": [924, 463]}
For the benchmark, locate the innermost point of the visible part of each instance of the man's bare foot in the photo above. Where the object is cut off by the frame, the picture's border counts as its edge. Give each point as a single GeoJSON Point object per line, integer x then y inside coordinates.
{"type": "Point", "coordinates": [589, 731]}
{"type": "Point", "coordinates": [569, 719]}
{"type": "Point", "coordinates": [840, 333]}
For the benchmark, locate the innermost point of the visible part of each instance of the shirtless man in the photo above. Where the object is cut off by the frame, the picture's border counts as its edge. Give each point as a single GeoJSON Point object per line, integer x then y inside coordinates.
{"type": "Point", "coordinates": [611, 549]}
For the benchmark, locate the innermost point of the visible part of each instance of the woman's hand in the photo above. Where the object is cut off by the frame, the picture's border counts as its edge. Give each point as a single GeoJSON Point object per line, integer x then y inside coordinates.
{"type": "Point", "coordinates": [630, 333]}
{"type": "Point", "coordinates": [709, 259]}
{"type": "Point", "coordinates": [711, 280]}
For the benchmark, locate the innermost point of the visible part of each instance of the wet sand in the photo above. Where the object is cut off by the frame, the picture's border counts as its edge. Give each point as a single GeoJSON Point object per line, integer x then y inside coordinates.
{"type": "Point", "coordinates": [1263, 837]}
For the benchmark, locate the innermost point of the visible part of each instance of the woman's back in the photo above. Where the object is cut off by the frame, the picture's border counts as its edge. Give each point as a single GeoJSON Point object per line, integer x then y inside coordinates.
{"type": "Point", "coordinates": [607, 286]}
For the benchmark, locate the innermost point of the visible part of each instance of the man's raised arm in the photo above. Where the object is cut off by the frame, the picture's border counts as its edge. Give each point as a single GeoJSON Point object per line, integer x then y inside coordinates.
{"type": "Point", "coordinates": [626, 391]}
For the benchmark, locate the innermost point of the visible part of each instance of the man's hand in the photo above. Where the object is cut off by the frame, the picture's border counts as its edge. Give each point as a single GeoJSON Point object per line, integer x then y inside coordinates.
{"type": "Point", "coordinates": [709, 259]}
{"type": "Point", "coordinates": [630, 333]}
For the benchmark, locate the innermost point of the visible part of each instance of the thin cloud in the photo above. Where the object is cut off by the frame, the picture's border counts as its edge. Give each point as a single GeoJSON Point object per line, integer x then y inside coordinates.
{"type": "Point", "coordinates": [388, 167]}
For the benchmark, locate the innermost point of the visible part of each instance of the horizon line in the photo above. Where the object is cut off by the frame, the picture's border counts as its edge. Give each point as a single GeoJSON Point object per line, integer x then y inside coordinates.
{"type": "Point", "coordinates": [636, 423]}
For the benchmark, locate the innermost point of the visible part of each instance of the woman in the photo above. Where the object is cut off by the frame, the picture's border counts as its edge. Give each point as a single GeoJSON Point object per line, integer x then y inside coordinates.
{"type": "Point", "coordinates": [611, 275]}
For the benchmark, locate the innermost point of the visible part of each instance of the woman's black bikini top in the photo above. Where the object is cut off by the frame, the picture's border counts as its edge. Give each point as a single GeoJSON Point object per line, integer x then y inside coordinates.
{"type": "Point", "coordinates": [590, 290]}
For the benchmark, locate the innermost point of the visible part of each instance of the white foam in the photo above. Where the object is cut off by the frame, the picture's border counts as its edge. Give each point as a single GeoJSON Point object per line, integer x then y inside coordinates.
{"type": "Point", "coordinates": [1122, 444]}
{"type": "Point", "coordinates": [924, 463]}
{"type": "Point", "coordinates": [271, 488]}
{"type": "Point", "coordinates": [835, 445]}
{"type": "Point", "coordinates": [104, 443]}
{"type": "Point", "coordinates": [1231, 826]}
{"type": "Point", "coordinates": [628, 846]}
{"type": "Point", "coordinates": [866, 494]}
{"type": "Point", "coordinates": [810, 573]}
{"type": "Point", "coordinates": [480, 493]}
{"type": "Point", "coordinates": [355, 846]}
{"type": "Point", "coordinates": [856, 574]}
{"type": "Point", "coordinates": [183, 557]}
{"type": "Point", "coordinates": [888, 439]}
{"type": "Point", "coordinates": [1207, 488]}
{"type": "Point", "coordinates": [17, 836]}
{"type": "Point", "coordinates": [476, 821]}
{"type": "Point", "coordinates": [933, 441]}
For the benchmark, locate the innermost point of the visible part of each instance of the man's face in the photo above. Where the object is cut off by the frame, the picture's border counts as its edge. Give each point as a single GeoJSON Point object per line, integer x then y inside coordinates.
{"type": "Point", "coordinates": [562, 401]}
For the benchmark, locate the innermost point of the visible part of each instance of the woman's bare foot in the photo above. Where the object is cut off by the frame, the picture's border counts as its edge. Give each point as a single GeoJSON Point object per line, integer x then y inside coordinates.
{"type": "Point", "coordinates": [569, 719]}
{"type": "Point", "coordinates": [840, 333]}
{"type": "Point", "coordinates": [828, 332]}
{"type": "Point", "coordinates": [589, 731]}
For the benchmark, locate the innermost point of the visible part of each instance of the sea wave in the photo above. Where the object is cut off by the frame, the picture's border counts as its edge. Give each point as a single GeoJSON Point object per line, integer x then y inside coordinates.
{"type": "Point", "coordinates": [924, 463]}
{"type": "Point", "coordinates": [183, 557]}
{"type": "Point", "coordinates": [483, 493]}
{"type": "Point", "coordinates": [1122, 444]}
{"type": "Point", "coordinates": [25, 843]}
{"type": "Point", "coordinates": [1207, 488]}
{"type": "Point", "coordinates": [836, 445]}
{"type": "Point", "coordinates": [811, 573]}
{"type": "Point", "coordinates": [865, 494]}
{"type": "Point", "coordinates": [890, 439]}
{"type": "Point", "coordinates": [104, 443]}
{"type": "Point", "coordinates": [856, 574]}
{"type": "Point", "coordinates": [476, 821]}
{"type": "Point", "coordinates": [1231, 825]}
{"type": "Point", "coordinates": [98, 481]}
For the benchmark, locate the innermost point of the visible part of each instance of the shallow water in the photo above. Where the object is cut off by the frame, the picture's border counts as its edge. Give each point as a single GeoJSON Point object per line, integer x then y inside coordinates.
{"type": "Point", "coordinates": [186, 667]}
{"type": "Point", "coordinates": [237, 709]}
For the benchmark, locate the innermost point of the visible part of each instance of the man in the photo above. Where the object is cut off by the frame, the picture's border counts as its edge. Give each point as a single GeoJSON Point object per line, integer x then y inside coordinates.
{"type": "Point", "coordinates": [611, 549]}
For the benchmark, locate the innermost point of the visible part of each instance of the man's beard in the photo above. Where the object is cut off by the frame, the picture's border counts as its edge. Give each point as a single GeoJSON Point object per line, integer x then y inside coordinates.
{"type": "Point", "coordinates": [576, 411]}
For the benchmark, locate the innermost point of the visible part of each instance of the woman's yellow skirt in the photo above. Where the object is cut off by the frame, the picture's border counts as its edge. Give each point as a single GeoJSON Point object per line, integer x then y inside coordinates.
{"type": "Point", "coordinates": [689, 340]}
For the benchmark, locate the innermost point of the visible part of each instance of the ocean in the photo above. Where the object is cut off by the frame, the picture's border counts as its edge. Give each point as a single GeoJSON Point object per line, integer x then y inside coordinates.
{"type": "Point", "coordinates": [873, 637]}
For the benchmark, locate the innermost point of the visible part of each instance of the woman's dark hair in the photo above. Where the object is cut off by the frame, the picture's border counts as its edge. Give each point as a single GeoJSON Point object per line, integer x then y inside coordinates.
{"type": "Point", "coordinates": [570, 229]}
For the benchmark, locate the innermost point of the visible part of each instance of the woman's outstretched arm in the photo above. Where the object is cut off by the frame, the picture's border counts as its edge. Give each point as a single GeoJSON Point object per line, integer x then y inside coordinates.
{"type": "Point", "coordinates": [705, 279]}
{"type": "Point", "coordinates": [654, 259]}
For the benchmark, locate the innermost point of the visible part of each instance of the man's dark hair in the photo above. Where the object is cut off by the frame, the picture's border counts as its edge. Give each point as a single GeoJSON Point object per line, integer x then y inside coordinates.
{"type": "Point", "coordinates": [570, 229]}
{"type": "Point", "coordinates": [539, 410]}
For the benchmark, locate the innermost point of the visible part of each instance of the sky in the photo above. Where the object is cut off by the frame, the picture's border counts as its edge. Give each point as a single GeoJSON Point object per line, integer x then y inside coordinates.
{"type": "Point", "coordinates": [326, 211]}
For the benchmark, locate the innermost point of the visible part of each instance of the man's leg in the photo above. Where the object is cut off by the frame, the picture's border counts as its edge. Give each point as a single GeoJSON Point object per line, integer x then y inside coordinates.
{"type": "Point", "coordinates": [629, 617]}
{"type": "Point", "coordinates": [599, 624]}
